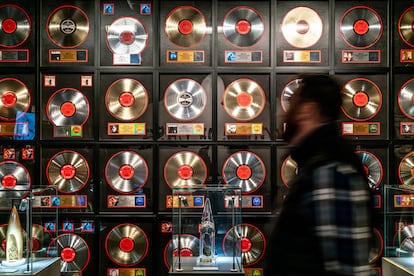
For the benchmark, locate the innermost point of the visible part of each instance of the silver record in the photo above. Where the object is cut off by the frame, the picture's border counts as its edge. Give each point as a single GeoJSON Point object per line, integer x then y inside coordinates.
{"type": "Point", "coordinates": [15, 26]}
{"type": "Point", "coordinates": [406, 99]}
{"type": "Point", "coordinates": [361, 27]}
{"type": "Point", "coordinates": [126, 172]}
{"type": "Point", "coordinates": [185, 99]}
{"type": "Point", "coordinates": [73, 99]}
{"type": "Point", "coordinates": [243, 26]}
{"type": "Point", "coordinates": [245, 170]}
{"type": "Point", "coordinates": [288, 92]}
{"type": "Point", "coordinates": [373, 168]}
{"type": "Point", "coordinates": [73, 251]}
{"type": "Point", "coordinates": [406, 169]}
{"type": "Point", "coordinates": [68, 170]}
{"type": "Point", "coordinates": [127, 35]}
{"type": "Point", "coordinates": [15, 180]}
{"type": "Point", "coordinates": [126, 244]}
{"type": "Point", "coordinates": [15, 99]}
{"type": "Point", "coordinates": [189, 246]}
{"type": "Point", "coordinates": [405, 240]}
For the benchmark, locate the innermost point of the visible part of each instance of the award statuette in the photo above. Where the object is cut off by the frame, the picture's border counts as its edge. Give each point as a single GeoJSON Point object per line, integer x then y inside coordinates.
{"type": "Point", "coordinates": [207, 237]}
{"type": "Point", "coordinates": [14, 241]}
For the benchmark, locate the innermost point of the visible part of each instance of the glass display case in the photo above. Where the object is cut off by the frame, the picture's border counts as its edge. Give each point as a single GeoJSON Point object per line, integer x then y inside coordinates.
{"type": "Point", "coordinates": [206, 231]}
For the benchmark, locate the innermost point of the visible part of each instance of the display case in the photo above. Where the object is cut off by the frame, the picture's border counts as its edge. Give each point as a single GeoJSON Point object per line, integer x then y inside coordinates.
{"type": "Point", "coordinates": [206, 231]}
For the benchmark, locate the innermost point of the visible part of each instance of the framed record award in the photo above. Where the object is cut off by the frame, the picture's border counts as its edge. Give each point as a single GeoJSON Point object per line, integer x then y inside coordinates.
{"type": "Point", "coordinates": [404, 160]}
{"type": "Point", "coordinates": [67, 33]}
{"type": "Point", "coordinates": [126, 33]}
{"type": "Point", "coordinates": [243, 33]}
{"type": "Point", "coordinates": [302, 33]}
{"type": "Point", "coordinates": [17, 34]}
{"type": "Point", "coordinates": [404, 106]}
{"type": "Point", "coordinates": [404, 41]}
{"type": "Point", "coordinates": [361, 34]}
{"type": "Point", "coordinates": [185, 33]}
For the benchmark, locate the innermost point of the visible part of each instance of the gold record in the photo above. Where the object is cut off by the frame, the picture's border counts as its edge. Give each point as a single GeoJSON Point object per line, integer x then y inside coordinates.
{"type": "Point", "coordinates": [302, 27]}
{"type": "Point", "coordinates": [185, 169]}
{"type": "Point", "coordinates": [288, 92]}
{"type": "Point", "coordinates": [126, 244]}
{"type": "Point", "coordinates": [405, 26]}
{"type": "Point", "coordinates": [126, 99]}
{"type": "Point", "coordinates": [406, 99]}
{"type": "Point", "coordinates": [406, 169]}
{"type": "Point", "coordinates": [289, 170]}
{"type": "Point", "coordinates": [185, 26]}
{"type": "Point", "coordinates": [244, 99]}
{"type": "Point", "coordinates": [361, 99]}
{"type": "Point", "coordinates": [68, 26]}
{"type": "Point", "coordinates": [14, 99]}
{"type": "Point", "coordinates": [15, 26]}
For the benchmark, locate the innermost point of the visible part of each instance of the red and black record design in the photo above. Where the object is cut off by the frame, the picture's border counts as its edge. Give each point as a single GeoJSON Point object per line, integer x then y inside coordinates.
{"type": "Point", "coordinates": [372, 167]}
{"type": "Point", "coordinates": [406, 169]}
{"type": "Point", "coordinates": [15, 99]}
{"type": "Point", "coordinates": [67, 107]}
{"type": "Point", "coordinates": [185, 26]}
{"type": "Point", "coordinates": [73, 251]}
{"type": "Point", "coordinates": [185, 169]}
{"type": "Point", "coordinates": [15, 180]}
{"type": "Point", "coordinates": [244, 170]}
{"type": "Point", "coordinates": [361, 27]}
{"type": "Point", "coordinates": [302, 27]}
{"type": "Point", "coordinates": [377, 246]}
{"type": "Point", "coordinates": [126, 35]}
{"type": "Point", "coordinates": [188, 244]}
{"type": "Point", "coordinates": [252, 246]}
{"type": "Point", "coordinates": [126, 99]}
{"type": "Point", "coordinates": [361, 99]}
{"type": "Point", "coordinates": [68, 170]}
{"type": "Point", "coordinates": [15, 26]}
{"type": "Point", "coordinates": [68, 26]}
{"type": "Point", "coordinates": [185, 99]}
{"type": "Point", "coordinates": [406, 99]}
{"type": "Point", "coordinates": [288, 92]}
{"type": "Point", "coordinates": [126, 172]}
{"type": "Point", "coordinates": [243, 26]}
{"type": "Point", "coordinates": [405, 26]}
{"type": "Point", "coordinates": [288, 171]}
{"type": "Point", "coordinates": [126, 244]}
{"type": "Point", "coordinates": [244, 99]}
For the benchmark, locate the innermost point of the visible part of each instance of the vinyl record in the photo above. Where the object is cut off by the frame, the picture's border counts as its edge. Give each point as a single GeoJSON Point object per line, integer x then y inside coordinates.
{"type": "Point", "coordinates": [126, 244]}
{"type": "Point", "coordinates": [73, 251]}
{"type": "Point", "coordinates": [67, 107]}
{"type": "Point", "coordinates": [3, 236]}
{"type": "Point", "coordinates": [68, 26]}
{"type": "Point", "coordinates": [405, 26]}
{"type": "Point", "coordinates": [185, 169]}
{"type": "Point", "coordinates": [372, 167]}
{"type": "Point", "coordinates": [288, 92]}
{"type": "Point", "coordinates": [244, 170]}
{"type": "Point", "coordinates": [406, 99]}
{"type": "Point", "coordinates": [189, 247]}
{"type": "Point", "coordinates": [406, 169]}
{"type": "Point", "coordinates": [185, 99]}
{"type": "Point", "coordinates": [15, 99]}
{"type": "Point", "coordinates": [126, 35]}
{"type": "Point", "coordinates": [68, 170]}
{"type": "Point", "coordinates": [404, 240]}
{"type": "Point", "coordinates": [288, 171]}
{"type": "Point", "coordinates": [15, 180]}
{"type": "Point", "coordinates": [126, 99]}
{"type": "Point", "coordinates": [361, 99]}
{"type": "Point", "coordinates": [361, 27]}
{"type": "Point", "coordinates": [243, 26]}
{"type": "Point", "coordinates": [126, 172]}
{"type": "Point", "coordinates": [253, 243]}
{"type": "Point", "coordinates": [185, 26]}
{"type": "Point", "coordinates": [15, 26]}
{"type": "Point", "coordinates": [244, 99]}
{"type": "Point", "coordinates": [302, 27]}
{"type": "Point", "coordinates": [377, 246]}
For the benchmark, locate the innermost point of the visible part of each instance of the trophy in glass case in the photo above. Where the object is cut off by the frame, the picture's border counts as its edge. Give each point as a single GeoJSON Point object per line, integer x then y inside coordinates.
{"type": "Point", "coordinates": [207, 237]}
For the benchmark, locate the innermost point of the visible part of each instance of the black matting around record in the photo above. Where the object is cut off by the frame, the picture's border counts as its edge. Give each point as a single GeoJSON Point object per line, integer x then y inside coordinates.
{"type": "Point", "coordinates": [403, 106]}
{"type": "Point", "coordinates": [361, 34]}
{"type": "Point", "coordinates": [403, 15]}
{"type": "Point", "coordinates": [67, 33]}
{"type": "Point", "coordinates": [126, 33]}
{"type": "Point", "coordinates": [244, 38]}
{"type": "Point", "coordinates": [305, 24]}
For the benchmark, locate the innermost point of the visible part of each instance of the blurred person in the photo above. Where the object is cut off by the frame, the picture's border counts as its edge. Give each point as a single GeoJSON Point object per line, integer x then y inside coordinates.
{"type": "Point", "coordinates": [325, 223]}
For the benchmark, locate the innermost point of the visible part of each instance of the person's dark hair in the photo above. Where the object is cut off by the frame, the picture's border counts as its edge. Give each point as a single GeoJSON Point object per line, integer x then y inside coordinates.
{"type": "Point", "coordinates": [324, 90]}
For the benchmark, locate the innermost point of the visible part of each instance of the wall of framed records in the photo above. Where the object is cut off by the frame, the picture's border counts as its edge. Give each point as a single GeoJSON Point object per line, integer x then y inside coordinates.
{"type": "Point", "coordinates": [113, 103]}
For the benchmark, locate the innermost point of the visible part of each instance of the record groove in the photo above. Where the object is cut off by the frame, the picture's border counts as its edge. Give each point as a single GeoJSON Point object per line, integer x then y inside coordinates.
{"type": "Point", "coordinates": [127, 35]}
{"type": "Point", "coordinates": [126, 244]}
{"type": "Point", "coordinates": [68, 170]}
{"type": "Point", "coordinates": [15, 180]}
{"type": "Point", "coordinates": [244, 170]}
{"type": "Point", "coordinates": [15, 99]}
{"type": "Point", "coordinates": [406, 169]}
{"type": "Point", "coordinates": [244, 99]}
{"type": "Point", "coordinates": [126, 172]}
{"type": "Point", "coordinates": [406, 99]}
{"type": "Point", "coordinates": [15, 26]}
{"type": "Point", "coordinates": [372, 167]}
{"type": "Point", "coordinates": [405, 26]}
{"type": "Point", "coordinates": [189, 246]}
